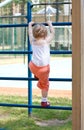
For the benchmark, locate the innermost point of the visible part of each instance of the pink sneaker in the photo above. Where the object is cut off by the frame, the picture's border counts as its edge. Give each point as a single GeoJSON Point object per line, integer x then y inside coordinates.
{"type": "Point", "coordinates": [45, 104]}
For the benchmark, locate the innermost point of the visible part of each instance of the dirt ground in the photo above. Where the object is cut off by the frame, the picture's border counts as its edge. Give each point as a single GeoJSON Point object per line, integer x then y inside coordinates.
{"type": "Point", "coordinates": [24, 92]}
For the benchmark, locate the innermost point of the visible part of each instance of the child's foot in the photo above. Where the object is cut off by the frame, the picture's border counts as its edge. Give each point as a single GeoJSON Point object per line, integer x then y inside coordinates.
{"type": "Point", "coordinates": [45, 104]}
{"type": "Point", "coordinates": [35, 77]}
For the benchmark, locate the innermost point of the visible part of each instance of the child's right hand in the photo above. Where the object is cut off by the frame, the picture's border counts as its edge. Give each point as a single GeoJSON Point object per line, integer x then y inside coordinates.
{"type": "Point", "coordinates": [31, 23]}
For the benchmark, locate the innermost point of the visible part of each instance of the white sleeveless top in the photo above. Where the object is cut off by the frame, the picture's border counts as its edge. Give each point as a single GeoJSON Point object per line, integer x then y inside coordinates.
{"type": "Point", "coordinates": [41, 47]}
{"type": "Point", "coordinates": [41, 54]}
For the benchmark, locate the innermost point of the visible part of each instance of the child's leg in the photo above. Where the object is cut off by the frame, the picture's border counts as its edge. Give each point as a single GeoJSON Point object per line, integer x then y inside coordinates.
{"type": "Point", "coordinates": [43, 84]}
{"type": "Point", "coordinates": [44, 93]}
{"type": "Point", "coordinates": [35, 77]}
{"type": "Point", "coordinates": [44, 101]}
{"type": "Point", "coordinates": [33, 68]}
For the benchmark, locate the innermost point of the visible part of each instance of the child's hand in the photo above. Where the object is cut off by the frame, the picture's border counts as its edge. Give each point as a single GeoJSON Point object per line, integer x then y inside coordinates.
{"type": "Point", "coordinates": [49, 22]}
{"type": "Point", "coordinates": [31, 23]}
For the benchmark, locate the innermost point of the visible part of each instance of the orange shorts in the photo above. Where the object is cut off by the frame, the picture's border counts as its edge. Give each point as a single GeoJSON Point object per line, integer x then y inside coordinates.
{"type": "Point", "coordinates": [42, 73]}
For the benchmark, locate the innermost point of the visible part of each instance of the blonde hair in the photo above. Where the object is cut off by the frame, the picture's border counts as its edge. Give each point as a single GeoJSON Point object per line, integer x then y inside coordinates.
{"type": "Point", "coordinates": [39, 31]}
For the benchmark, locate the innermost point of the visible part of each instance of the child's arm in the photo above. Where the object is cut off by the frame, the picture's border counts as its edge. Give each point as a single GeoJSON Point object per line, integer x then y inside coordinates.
{"type": "Point", "coordinates": [30, 32]}
{"type": "Point", "coordinates": [52, 32]}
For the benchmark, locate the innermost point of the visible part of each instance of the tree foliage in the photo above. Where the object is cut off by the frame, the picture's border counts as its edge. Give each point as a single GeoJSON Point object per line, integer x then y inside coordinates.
{"type": "Point", "coordinates": [21, 1]}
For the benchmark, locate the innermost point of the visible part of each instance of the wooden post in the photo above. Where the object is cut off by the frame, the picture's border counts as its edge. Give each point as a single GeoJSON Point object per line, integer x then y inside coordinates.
{"type": "Point", "coordinates": [82, 65]}
{"type": "Point", "coordinates": [77, 64]}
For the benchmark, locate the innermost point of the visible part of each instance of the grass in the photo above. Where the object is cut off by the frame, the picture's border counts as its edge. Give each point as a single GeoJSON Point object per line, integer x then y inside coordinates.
{"type": "Point", "coordinates": [12, 118]}
{"type": "Point", "coordinates": [61, 55]}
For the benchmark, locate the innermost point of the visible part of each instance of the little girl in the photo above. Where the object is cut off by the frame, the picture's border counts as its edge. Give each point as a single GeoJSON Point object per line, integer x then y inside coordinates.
{"type": "Point", "coordinates": [39, 65]}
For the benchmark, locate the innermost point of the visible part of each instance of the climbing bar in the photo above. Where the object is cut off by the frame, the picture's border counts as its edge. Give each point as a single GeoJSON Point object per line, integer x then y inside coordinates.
{"type": "Point", "coordinates": [36, 106]}
{"type": "Point", "coordinates": [57, 23]}
{"type": "Point", "coordinates": [15, 52]}
{"type": "Point", "coordinates": [26, 25]}
{"type": "Point", "coordinates": [54, 3]}
{"type": "Point", "coordinates": [29, 79]}
{"type": "Point", "coordinates": [60, 52]}
{"type": "Point", "coordinates": [60, 23]}
{"type": "Point", "coordinates": [30, 52]}
{"type": "Point", "coordinates": [12, 25]}
{"type": "Point", "coordinates": [13, 16]}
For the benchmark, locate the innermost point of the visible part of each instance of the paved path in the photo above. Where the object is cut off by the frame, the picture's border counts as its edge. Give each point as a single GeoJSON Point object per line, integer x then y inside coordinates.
{"type": "Point", "coordinates": [60, 68]}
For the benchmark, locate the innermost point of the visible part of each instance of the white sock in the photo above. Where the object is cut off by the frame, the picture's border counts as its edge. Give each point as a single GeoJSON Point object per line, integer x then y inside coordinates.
{"type": "Point", "coordinates": [44, 99]}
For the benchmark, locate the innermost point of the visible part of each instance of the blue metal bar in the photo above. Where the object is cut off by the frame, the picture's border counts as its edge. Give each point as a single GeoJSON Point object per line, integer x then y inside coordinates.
{"type": "Point", "coordinates": [13, 16]}
{"type": "Point", "coordinates": [13, 25]}
{"type": "Point", "coordinates": [61, 79]}
{"type": "Point", "coordinates": [59, 24]}
{"type": "Point", "coordinates": [15, 52]}
{"type": "Point", "coordinates": [36, 106]}
{"type": "Point", "coordinates": [29, 58]}
{"type": "Point", "coordinates": [33, 79]}
{"type": "Point", "coordinates": [30, 52]}
{"type": "Point", "coordinates": [26, 25]}
{"type": "Point", "coordinates": [60, 52]}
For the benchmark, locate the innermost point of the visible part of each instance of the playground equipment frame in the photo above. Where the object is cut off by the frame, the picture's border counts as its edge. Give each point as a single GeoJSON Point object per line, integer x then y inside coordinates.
{"type": "Point", "coordinates": [29, 78]}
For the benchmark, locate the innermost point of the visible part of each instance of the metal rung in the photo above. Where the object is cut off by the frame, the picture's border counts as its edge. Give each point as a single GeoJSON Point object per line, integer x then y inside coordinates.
{"type": "Point", "coordinates": [30, 52]}
{"type": "Point", "coordinates": [26, 24]}
{"type": "Point", "coordinates": [13, 16]}
{"type": "Point", "coordinates": [35, 106]}
{"type": "Point", "coordinates": [12, 25]}
{"type": "Point", "coordinates": [29, 79]}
